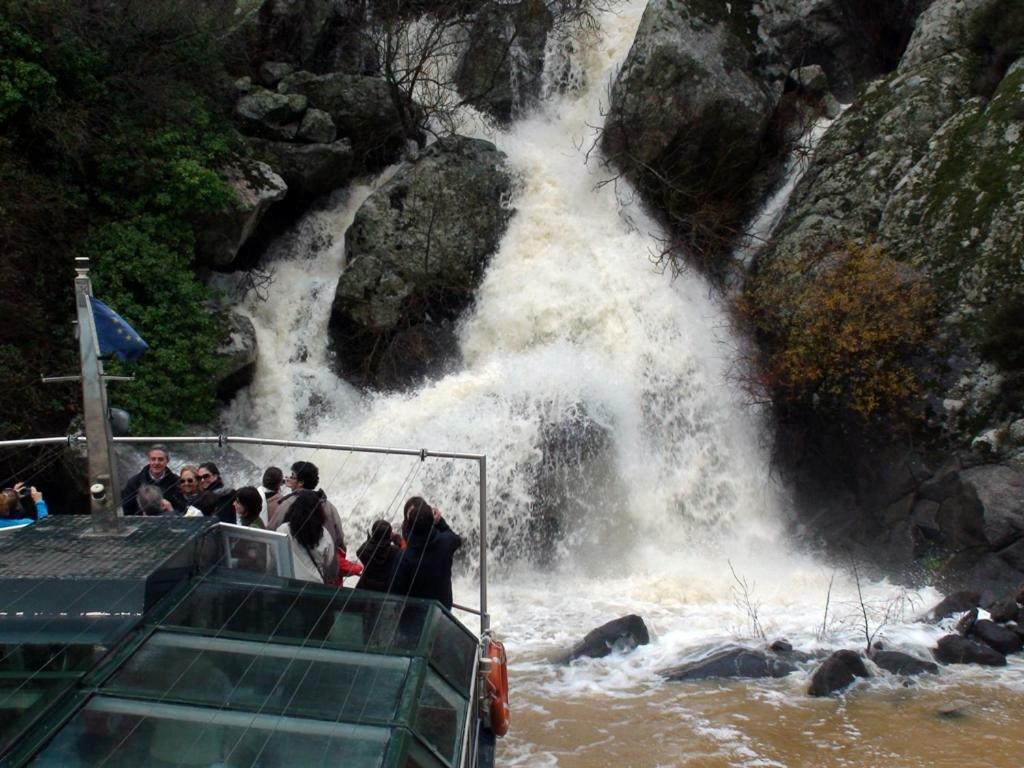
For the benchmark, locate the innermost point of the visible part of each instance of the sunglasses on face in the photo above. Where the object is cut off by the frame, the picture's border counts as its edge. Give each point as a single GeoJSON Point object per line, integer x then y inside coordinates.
{"type": "Point", "coordinates": [188, 480]}
{"type": "Point", "coordinates": [205, 477]}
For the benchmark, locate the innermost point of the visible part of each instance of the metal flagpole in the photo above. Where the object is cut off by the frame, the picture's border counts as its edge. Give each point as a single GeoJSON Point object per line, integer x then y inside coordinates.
{"type": "Point", "coordinates": [104, 488]}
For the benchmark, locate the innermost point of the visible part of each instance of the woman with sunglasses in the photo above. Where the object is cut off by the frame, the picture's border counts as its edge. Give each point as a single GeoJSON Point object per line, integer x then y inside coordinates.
{"type": "Point", "coordinates": [188, 484]}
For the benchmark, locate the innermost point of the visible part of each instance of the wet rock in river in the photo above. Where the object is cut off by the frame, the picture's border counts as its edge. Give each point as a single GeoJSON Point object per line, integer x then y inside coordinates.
{"type": "Point", "coordinates": [1000, 638]}
{"type": "Point", "coordinates": [953, 649]}
{"type": "Point", "coordinates": [836, 672]}
{"type": "Point", "coordinates": [624, 633]}
{"type": "Point", "coordinates": [953, 709]}
{"type": "Point", "coordinates": [731, 662]}
{"type": "Point", "coordinates": [898, 663]}
{"type": "Point", "coordinates": [1004, 610]}
{"type": "Point", "coordinates": [958, 602]}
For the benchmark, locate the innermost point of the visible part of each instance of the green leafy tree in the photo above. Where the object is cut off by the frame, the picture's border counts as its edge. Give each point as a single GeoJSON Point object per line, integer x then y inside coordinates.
{"type": "Point", "coordinates": [113, 115]}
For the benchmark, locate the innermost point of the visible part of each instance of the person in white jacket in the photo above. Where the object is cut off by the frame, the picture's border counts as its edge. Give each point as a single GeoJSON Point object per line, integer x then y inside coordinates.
{"type": "Point", "coordinates": [313, 550]}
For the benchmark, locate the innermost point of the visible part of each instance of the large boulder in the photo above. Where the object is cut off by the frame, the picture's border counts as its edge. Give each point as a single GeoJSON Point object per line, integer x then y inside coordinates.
{"type": "Point", "coordinates": [416, 253]}
{"type": "Point", "coordinates": [501, 69]}
{"type": "Point", "coordinates": [730, 662]}
{"type": "Point", "coordinates": [362, 108]}
{"type": "Point", "coordinates": [691, 105]}
{"type": "Point", "coordinates": [999, 489]}
{"type": "Point", "coordinates": [622, 634]}
{"type": "Point", "coordinates": [997, 636]}
{"type": "Point", "coordinates": [924, 163]}
{"type": "Point", "coordinates": [237, 353]}
{"type": "Point", "coordinates": [575, 474]}
{"type": "Point", "coordinates": [271, 115]}
{"type": "Point", "coordinates": [836, 673]}
{"type": "Point", "coordinates": [310, 170]}
{"type": "Point", "coordinates": [954, 649]}
{"type": "Point", "coordinates": [220, 236]}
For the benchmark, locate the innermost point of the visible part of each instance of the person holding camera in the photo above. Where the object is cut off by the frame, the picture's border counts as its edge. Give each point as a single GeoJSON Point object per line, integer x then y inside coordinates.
{"type": "Point", "coordinates": [14, 500]}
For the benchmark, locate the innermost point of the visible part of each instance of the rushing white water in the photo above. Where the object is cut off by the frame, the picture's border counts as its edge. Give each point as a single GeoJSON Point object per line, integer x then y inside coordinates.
{"type": "Point", "coordinates": [762, 226]}
{"type": "Point", "coordinates": [572, 326]}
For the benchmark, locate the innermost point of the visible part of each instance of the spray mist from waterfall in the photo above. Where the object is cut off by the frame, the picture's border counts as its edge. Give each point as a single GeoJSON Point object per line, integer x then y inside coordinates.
{"type": "Point", "coordinates": [624, 471]}
{"type": "Point", "coordinates": [574, 337]}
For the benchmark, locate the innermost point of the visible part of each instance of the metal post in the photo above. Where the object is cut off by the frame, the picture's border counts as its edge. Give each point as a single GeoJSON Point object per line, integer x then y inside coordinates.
{"type": "Point", "coordinates": [485, 619]}
{"type": "Point", "coordinates": [102, 468]}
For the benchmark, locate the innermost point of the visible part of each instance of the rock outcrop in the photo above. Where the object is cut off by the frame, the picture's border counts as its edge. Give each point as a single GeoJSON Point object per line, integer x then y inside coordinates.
{"type": "Point", "coordinates": [622, 634]}
{"type": "Point", "coordinates": [237, 352]}
{"type": "Point", "coordinates": [361, 108]}
{"type": "Point", "coordinates": [954, 649]}
{"type": "Point", "coordinates": [690, 108]}
{"type": "Point", "coordinates": [730, 662]}
{"type": "Point", "coordinates": [899, 663]}
{"type": "Point", "coordinates": [500, 71]}
{"type": "Point", "coordinates": [416, 252]}
{"type": "Point", "coordinates": [836, 673]}
{"type": "Point", "coordinates": [219, 237]}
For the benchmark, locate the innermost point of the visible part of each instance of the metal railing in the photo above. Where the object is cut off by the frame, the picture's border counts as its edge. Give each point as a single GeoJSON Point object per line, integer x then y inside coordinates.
{"type": "Point", "coordinates": [223, 440]}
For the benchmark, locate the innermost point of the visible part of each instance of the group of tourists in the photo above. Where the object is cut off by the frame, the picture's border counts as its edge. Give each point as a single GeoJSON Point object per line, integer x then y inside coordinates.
{"type": "Point", "coordinates": [414, 561]}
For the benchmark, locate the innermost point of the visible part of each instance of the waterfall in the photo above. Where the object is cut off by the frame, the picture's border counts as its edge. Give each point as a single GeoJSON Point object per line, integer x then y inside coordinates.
{"type": "Point", "coordinates": [574, 336]}
{"type": "Point", "coordinates": [600, 390]}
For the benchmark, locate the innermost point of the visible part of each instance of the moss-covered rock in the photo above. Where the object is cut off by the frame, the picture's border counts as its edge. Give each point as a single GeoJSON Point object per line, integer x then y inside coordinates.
{"type": "Point", "coordinates": [416, 252]}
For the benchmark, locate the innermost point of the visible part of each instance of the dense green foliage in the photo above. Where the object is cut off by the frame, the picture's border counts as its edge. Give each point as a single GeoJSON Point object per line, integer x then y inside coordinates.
{"type": "Point", "coordinates": [111, 136]}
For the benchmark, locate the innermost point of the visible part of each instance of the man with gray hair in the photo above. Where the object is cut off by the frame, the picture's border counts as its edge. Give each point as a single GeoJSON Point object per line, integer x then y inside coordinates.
{"type": "Point", "coordinates": [151, 501]}
{"type": "Point", "coordinates": [157, 473]}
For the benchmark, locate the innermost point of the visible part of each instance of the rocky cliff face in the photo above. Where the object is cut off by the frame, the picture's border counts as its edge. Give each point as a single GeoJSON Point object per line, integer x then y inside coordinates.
{"type": "Point", "coordinates": [925, 165]}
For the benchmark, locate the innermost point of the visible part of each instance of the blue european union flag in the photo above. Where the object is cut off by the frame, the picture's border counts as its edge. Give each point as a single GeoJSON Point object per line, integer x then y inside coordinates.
{"type": "Point", "coordinates": [114, 335]}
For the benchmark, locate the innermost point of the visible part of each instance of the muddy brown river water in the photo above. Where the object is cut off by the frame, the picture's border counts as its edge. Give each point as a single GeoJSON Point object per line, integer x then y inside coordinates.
{"type": "Point", "coordinates": [740, 724]}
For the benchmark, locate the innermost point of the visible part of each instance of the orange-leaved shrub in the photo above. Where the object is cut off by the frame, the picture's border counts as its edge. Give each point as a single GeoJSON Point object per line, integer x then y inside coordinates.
{"type": "Point", "coordinates": [839, 328]}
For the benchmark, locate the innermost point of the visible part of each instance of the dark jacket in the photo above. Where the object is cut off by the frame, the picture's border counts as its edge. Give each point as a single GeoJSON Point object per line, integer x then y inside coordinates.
{"type": "Point", "coordinates": [168, 484]}
{"type": "Point", "coordinates": [379, 560]}
{"type": "Point", "coordinates": [223, 509]}
{"type": "Point", "coordinates": [425, 566]}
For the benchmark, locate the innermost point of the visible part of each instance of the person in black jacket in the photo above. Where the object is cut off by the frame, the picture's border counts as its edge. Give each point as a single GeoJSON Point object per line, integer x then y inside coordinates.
{"type": "Point", "coordinates": [210, 482]}
{"type": "Point", "coordinates": [154, 473]}
{"type": "Point", "coordinates": [379, 554]}
{"type": "Point", "coordinates": [425, 566]}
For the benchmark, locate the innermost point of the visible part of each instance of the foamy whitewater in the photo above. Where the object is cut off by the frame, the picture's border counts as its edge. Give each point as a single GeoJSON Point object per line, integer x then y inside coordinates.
{"type": "Point", "coordinates": [572, 317]}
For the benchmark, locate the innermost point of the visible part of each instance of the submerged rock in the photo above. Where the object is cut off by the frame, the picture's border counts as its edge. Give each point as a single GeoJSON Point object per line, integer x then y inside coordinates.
{"type": "Point", "coordinates": [954, 709]}
{"type": "Point", "coordinates": [954, 649]}
{"type": "Point", "coordinates": [836, 673]}
{"type": "Point", "coordinates": [625, 633]}
{"type": "Point", "coordinates": [899, 663]}
{"type": "Point", "coordinates": [731, 662]}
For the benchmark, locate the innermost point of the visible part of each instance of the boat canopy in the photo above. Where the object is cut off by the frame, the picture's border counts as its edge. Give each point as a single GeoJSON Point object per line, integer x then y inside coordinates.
{"type": "Point", "coordinates": [238, 669]}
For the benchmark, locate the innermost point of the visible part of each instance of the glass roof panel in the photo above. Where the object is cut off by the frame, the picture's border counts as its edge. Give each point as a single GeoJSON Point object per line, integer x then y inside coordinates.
{"type": "Point", "coordinates": [120, 733]}
{"type": "Point", "coordinates": [32, 674]}
{"type": "Point", "coordinates": [441, 715]}
{"type": "Point", "coordinates": [353, 618]}
{"type": "Point", "coordinates": [453, 651]}
{"type": "Point", "coordinates": [266, 678]}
